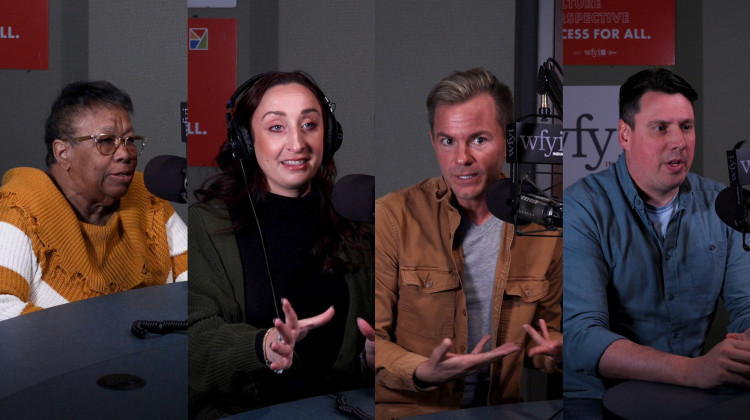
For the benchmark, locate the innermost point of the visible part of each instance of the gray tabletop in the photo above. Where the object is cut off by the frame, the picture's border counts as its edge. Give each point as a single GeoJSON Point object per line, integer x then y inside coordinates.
{"type": "Point", "coordinates": [657, 401]}
{"type": "Point", "coordinates": [52, 359]}
{"type": "Point", "coordinates": [322, 407]}
{"type": "Point", "coordinates": [537, 410]}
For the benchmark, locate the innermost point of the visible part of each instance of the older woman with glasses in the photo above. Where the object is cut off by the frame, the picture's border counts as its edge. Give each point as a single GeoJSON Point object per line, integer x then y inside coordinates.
{"type": "Point", "coordinates": [87, 226]}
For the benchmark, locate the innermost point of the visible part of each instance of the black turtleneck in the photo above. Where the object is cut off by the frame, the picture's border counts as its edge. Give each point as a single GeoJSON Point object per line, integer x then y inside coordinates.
{"type": "Point", "coordinates": [290, 228]}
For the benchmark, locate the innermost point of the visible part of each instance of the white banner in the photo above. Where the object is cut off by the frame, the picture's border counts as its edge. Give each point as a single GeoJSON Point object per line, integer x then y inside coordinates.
{"type": "Point", "coordinates": [589, 130]}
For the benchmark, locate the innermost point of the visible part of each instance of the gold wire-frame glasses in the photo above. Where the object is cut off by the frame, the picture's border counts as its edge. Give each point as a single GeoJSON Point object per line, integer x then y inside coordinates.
{"type": "Point", "coordinates": [107, 144]}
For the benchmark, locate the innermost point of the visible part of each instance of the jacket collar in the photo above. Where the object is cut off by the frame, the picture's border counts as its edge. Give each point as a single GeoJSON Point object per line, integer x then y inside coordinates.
{"type": "Point", "coordinates": [442, 192]}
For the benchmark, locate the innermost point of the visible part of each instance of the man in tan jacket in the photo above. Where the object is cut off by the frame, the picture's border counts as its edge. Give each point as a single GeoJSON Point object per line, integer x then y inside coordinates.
{"type": "Point", "coordinates": [451, 277]}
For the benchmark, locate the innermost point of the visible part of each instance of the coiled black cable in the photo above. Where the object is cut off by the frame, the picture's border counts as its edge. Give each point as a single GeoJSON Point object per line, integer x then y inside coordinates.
{"type": "Point", "coordinates": [140, 328]}
{"type": "Point", "coordinates": [343, 407]}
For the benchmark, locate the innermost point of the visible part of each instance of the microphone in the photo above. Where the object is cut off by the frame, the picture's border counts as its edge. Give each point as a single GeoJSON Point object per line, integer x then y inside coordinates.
{"type": "Point", "coordinates": [732, 203]}
{"type": "Point", "coordinates": [531, 206]}
{"type": "Point", "coordinates": [165, 176]}
{"type": "Point", "coordinates": [730, 206]}
{"type": "Point", "coordinates": [534, 142]}
{"type": "Point", "coordinates": [354, 198]}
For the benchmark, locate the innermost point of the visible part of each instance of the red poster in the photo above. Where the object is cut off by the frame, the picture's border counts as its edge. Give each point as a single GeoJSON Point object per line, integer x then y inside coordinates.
{"type": "Point", "coordinates": [24, 34]}
{"type": "Point", "coordinates": [212, 78]}
{"type": "Point", "coordinates": [618, 32]}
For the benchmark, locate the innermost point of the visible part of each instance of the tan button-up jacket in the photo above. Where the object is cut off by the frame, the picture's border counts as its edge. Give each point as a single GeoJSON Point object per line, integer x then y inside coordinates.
{"type": "Point", "coordinates": [419, 299]}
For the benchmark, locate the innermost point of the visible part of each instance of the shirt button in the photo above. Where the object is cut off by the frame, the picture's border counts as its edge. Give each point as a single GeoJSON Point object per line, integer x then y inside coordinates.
{"type": "Point", "coordinates": [463, 349]}
{"type": "Point", "coordinates": [113, 287]}
{"type": "Point", "coordinates": [527, 292]}
{"type": "Point", "coordinates": [428, 285]}
{"type": "Point", "coordinates": [463, 311]}
{"type": "Point", "coordinates": [712, 247]}
{"type": "Point", "coordinates": [671, 297]}
{"type": "Point", "coordinates": [667, 257]}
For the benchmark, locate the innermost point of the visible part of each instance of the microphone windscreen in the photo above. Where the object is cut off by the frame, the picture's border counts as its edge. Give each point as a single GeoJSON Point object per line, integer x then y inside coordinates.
{"type": "Point", "coordinates": [500, 196]}
{"type": "Point", "coordinates": [729, 210]}
{"type": "Point", "coordinates": [354, 198]}
{"type": "Point", "coordinates": [164, 177]}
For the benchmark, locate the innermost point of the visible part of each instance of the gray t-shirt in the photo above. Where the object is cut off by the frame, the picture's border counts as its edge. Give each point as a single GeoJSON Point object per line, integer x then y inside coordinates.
{"type": "Point", "coordinates": [480, 245]}
{"type": "Point", "coordinates": [660, 216]}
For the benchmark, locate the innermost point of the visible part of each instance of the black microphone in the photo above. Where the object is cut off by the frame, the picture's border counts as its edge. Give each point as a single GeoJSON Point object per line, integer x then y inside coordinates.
{"type": "Point", "coordinates": [531, 207]}
{"type": "Point", "coordinates": [354, 198]}
{"type": "Point", "coordinates": [730, 206]}
{"type": "Point", "coordinates": [165, 176]}
{"type": "Point", "coordinates": [534, 142]}
{"type": "Point", "coordinates": [732, 203]}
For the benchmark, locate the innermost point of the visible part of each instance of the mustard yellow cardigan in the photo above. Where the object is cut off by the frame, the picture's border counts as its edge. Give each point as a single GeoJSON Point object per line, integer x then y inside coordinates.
{"type": "Point", "coordinates": [49, 257]}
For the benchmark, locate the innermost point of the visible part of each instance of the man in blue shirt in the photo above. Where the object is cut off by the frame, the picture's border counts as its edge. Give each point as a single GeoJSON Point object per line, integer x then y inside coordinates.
{"type": "Point", "coordinates": [646, 259]}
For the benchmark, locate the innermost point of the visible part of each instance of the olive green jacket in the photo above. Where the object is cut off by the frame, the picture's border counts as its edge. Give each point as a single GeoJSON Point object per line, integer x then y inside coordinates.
{"type": "Point", "coordinates": [224, 371]}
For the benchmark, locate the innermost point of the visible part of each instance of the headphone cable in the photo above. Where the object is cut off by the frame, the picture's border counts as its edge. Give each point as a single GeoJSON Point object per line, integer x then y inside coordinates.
{"type": "Point", "coordinates": [265, 254]}
{"type": "Point", "coordinates": [262, 242]}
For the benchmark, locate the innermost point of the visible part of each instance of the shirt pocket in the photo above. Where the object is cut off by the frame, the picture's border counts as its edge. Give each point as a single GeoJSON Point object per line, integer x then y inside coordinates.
{"type": "Point", "coordinates": [707, 265]}
{"type": "Point", "coordinates": [427, 302]}
{"type": "Point", "coordinates": [526, 289]}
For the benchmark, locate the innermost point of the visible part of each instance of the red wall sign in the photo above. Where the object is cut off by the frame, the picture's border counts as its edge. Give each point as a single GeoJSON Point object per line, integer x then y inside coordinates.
{"type": "Point", "coordinates": [618, 32]}
{"type": "Point", "coordinates": [212, 78]}
{"type": "Point", "coordinates": [24, 34]}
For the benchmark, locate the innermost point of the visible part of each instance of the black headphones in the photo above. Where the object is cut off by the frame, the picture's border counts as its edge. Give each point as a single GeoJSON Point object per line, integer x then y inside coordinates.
{"type": "Point", "coordinates": [241, 139]}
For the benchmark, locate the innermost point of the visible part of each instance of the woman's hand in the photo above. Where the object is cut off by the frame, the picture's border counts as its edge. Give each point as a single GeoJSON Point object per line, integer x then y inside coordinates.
{"type": "Point", "coordinates": [280, 340]}
{"type": "Point", "coordinates": [369, 333]}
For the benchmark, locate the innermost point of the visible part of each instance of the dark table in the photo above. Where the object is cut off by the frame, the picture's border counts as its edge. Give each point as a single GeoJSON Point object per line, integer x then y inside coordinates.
{"type": "Point", "coordinates": [322, 407]}
{"type": "Point", "coordinates": [652, 400]}
{"type": "Point", "coordinates": [537, 410]}
{"type": "Point", "coordinates": [50, 360]}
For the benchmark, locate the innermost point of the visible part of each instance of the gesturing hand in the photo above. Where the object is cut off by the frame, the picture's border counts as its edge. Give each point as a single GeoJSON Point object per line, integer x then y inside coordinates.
{"type": "Point", "coordinates": [443, 366]}
{"type": "Point", "coordinates": [280, 340]}
{"type": "Point", "coordinates": [547, 347]}
{"type": "Point", "coordinates": [369, 333]}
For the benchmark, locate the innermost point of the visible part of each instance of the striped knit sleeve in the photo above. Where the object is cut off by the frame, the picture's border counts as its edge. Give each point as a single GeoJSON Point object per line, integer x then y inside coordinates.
{"type": "Point", "coordinates": [177, 238]}
{"type": "Point", "coordinates": [19, 270]}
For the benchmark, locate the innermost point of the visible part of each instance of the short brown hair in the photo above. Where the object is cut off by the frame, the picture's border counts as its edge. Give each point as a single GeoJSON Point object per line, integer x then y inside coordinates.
{"type": "Point", "coordinates": [461, 86]}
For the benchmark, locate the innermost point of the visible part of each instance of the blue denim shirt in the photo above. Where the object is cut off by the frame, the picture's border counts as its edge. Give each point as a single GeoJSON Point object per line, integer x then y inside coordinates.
{"type": "Point", "coordinates": [621, 281]}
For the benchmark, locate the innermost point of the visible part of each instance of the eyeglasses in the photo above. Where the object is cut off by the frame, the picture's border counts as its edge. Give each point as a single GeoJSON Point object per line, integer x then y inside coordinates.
{"type": "Point", "coordinates": [107, 144]}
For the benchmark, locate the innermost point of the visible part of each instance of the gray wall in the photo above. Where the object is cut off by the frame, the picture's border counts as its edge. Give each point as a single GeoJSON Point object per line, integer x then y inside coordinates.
{"type": "Point", "coordinates": [28, 94]}
{"type": "Point", "coordinates": [377, 60]}
{"type": "Point", "coordinates": [417, 43]}
{"type": "Point", "coordinates": [138, 45]}
{"type": "Point", "coordinates": [336, 48]}
{"type": "Point", "coordinates": [725, 94]}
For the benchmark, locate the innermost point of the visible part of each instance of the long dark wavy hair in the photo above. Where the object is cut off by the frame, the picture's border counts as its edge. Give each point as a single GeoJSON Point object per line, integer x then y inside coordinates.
{"type": "Point", "coordinates": [229, 188]}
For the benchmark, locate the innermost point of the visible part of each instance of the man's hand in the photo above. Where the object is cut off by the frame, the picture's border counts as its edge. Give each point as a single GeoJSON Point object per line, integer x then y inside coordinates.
{"type": "Point", "coordinates": [443, 366]}
{"type": "Point", "coordinates": [369, 333]}
{"type": "Point", "coordinates": [547, 347]}
{"type": "Point", "coordinates": [283, 336]}
{"type": "Point", "coordinates": [727, 362]}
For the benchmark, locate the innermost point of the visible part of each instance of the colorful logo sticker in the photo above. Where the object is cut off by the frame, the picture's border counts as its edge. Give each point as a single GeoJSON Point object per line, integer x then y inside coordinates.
{"type": "Point", "coordinates": [198, 39]}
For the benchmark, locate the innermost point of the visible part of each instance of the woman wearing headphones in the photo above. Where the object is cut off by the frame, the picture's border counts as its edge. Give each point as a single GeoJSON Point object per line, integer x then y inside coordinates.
{"type": "Point", "coordinates": [281, 288]}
